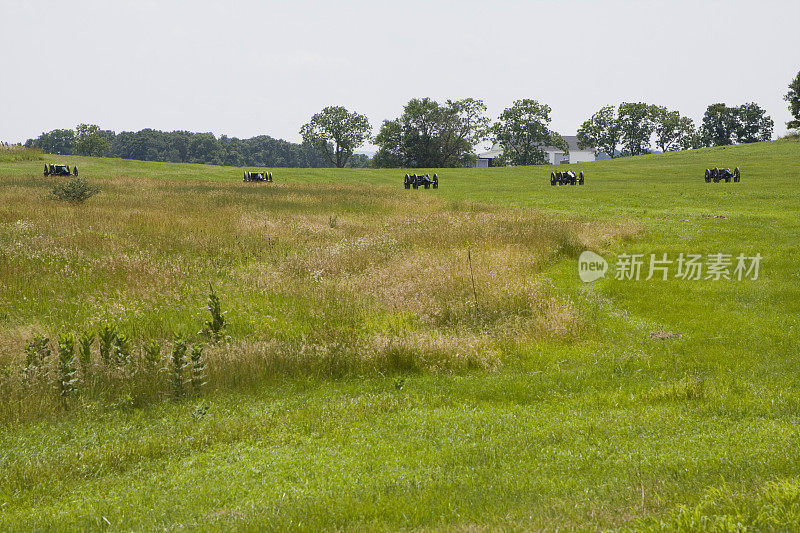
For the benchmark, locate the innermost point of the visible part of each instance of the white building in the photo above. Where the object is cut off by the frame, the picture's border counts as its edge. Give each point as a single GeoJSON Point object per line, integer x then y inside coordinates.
{"type": "Point", "coordinates": [555, 156]}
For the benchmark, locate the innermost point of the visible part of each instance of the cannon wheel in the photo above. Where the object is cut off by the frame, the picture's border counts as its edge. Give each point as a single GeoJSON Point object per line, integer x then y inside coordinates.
{"type": "Point", "coordinates": [415, 182]}
{"type": "Point", "coordinates": [270, 177]}
{"type": "Point", "coordinates": [435, 181]}
{"type": "Point", "coordinates": [245, 177]}
{"type": "Point", "coordinates": [46, 172]}
{"type": "Point", "coordinates": [75, 171]}
{"type": "Point", "coordinates": [737, 176]}
{"type": "Point", "coordinates": [708, 176]}
{"type": "Point", "coordinates": [580, 179]}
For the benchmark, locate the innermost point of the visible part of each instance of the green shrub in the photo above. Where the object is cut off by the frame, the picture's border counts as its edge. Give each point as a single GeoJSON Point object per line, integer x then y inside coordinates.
{"type": "Point", "coordinates": [108, 339]}
{"type": "Point", "coordinates": [67, 380]}
{"type": "Point", "coordinates": [37, 351]}
{"type": "Point", "coordinates": [85, 350]}
{"type": "Point", "coordinates": [216, 325]}
{"type": "Point", "coordinates": [152, 353]}
{"type": "Point", "coordinates": [75, 191]}
{"type": "Point", "coordinates": [122, 350]}
{"type": "Point", "coordinates": [198, 367]}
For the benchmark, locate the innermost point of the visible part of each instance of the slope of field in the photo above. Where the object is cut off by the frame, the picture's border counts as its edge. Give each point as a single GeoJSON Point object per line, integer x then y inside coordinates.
{"type": "Point", "coordinates": [408, 359]}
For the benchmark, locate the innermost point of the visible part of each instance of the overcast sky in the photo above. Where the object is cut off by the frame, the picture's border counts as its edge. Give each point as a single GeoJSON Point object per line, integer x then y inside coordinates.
{"type": "Point", "coordinates": [244, 68]}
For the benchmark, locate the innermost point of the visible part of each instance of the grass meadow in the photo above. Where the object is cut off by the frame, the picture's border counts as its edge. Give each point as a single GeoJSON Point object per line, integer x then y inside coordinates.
{"type": "Point", "coordinates": [393, 359]}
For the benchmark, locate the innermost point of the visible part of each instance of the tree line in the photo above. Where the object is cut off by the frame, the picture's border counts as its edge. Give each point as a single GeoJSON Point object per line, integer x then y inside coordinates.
{"type": "Point", "coordinates": [633, 128]}
{"type": "Point", "coordinates": [429, 134]}
{"type": "Point", "coordinates": [183, 147]}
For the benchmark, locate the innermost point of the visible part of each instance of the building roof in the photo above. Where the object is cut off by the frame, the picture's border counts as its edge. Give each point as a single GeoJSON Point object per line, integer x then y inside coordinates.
{"type": "Point", "coordinates": [495, 151]}
{"type": "Point", "coordinates": [572, 142]}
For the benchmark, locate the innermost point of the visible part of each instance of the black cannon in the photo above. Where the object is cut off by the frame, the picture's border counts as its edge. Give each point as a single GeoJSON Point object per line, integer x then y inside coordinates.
{"type": "Point", "coordinates": [567, 177]}
{"type": "Point", "coordinates": [723, 174]}
{"type": "Point", "coordinates": [423, 180]}
{"type": "Point", "coordinates": [59, 170]}
{"type": "Point", "coordinates": [258, 176]}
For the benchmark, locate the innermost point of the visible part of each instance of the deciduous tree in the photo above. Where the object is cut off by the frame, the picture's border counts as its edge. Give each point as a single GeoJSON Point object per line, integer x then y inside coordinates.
{"type": "Point", "coordinates": [719, 125]}
{"type": "Point", "coordinates": [753, 124]}
{"type": "Point", "coordinates": [54, 142]}
{"type": "Point", "coordinates": [793, 97]}
{"type": "Point", "coordinates": [432, 135]}
{"type": "Point", "coordinates": [523, 131]}
{"type": "Point", "coordinates": [636, 124]}
{"type": "Point", "coordinates": [90, 140]}
{"type": "Point", "coordinates": [335, 132]}
{"type": "Point", "coordinates": [672, 131]}
{"type": "Point", "coordinates": [723, 125]}
{"type": "Point", "coordinates": [601, 132]}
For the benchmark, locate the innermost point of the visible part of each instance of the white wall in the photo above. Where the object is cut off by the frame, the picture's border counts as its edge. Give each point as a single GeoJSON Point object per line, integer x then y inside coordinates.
{"type": "Point", "coordinates": [551, 156]}
{"type": "Point", "coordinates": [581, 157]}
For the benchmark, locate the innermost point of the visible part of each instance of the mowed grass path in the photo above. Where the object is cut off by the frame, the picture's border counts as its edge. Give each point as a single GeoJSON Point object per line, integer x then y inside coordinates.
{"type": "Point", "coordinates": [594, 426]}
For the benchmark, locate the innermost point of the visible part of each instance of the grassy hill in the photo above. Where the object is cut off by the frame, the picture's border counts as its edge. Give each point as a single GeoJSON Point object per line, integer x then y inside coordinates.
{"type": "Point", "coordinates": [405, 359]}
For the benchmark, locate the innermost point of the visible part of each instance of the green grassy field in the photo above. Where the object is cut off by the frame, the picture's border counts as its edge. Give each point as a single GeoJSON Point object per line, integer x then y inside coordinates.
{"type": "Point", "coordinates": [368, 383]}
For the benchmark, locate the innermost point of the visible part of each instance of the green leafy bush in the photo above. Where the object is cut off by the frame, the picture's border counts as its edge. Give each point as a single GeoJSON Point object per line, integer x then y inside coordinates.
{"type": "Point", "coordinates": [85, 342]}
{"type": "Point", "coordinates": [108, 338]}
{"type": "Point", "coordinates": [216, 326]}
{"type": "Point", "coordinates": [198, 367]}
{"type": "Point", "coordinates": [67, 381]}
{"type": "Point", "coordinates": [37, 352]}
{"type": "Point", "coordinates": [152, 353]}
{"type": "Point", "coordinates": [75, 191]}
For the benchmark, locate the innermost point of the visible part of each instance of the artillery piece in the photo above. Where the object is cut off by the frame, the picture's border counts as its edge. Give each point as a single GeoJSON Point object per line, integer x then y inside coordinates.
{"type": "Point", "coordinates": [258, 176]}
{"type": "Point", "coordinates": [567, 177]}
{"type": "Point", "coordinates": [59, 170]}
{"type": "Point", "coordinates": [723, 174]}
{"type": "Point", "coordinates": [424, 180]}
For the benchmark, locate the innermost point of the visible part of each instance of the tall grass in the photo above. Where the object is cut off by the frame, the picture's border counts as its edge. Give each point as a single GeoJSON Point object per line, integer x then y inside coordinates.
{"type": "Point", "coordinates": [661, 405]}
{"type": "Point", "coordinates": [390, 287]}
